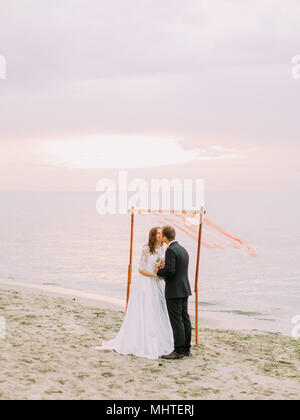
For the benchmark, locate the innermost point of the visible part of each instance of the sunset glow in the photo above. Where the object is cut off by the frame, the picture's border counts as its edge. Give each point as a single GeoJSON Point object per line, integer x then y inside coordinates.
{"type": "Point", "coordinates": [110, 152]}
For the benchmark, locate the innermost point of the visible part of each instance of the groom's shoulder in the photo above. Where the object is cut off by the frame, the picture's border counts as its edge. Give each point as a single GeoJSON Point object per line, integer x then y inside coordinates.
{"type": "Point", "coordinates": [171, 249]}
{"type": "Point", "coordinates": [175, 247]}
{"type": "Point", "coordinates": [176, 244]}
{"type": "Point", "coordinates": [181, 248]}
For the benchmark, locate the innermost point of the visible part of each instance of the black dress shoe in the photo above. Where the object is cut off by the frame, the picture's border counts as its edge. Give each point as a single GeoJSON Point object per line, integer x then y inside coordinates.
{"type": "Point", "coordinates": [173, 356]}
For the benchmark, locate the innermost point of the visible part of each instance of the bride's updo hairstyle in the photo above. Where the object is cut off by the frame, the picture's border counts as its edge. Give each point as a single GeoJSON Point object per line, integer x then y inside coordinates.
{"type": "Point", "coordinates": [152, 242]}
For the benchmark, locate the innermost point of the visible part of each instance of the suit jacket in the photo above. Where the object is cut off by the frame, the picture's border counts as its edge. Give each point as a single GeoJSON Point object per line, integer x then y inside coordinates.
{"type": "Point", "coordinates": [176, 272]}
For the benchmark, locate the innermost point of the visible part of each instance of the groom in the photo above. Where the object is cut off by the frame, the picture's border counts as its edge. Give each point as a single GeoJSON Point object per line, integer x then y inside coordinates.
{"type": "Point", "coordinates": [178, 291]}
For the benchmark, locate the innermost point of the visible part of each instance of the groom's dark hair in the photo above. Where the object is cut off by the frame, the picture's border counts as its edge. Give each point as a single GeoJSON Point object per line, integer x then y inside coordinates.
{"type": "Point", "coordinates": [169, 232]}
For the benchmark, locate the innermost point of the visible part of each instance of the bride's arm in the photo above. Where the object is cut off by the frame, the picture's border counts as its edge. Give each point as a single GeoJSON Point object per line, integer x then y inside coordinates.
{"type": "Point", "coordinates": [143, 264]}
{"type": "Point", "coordinates": [147, 274]}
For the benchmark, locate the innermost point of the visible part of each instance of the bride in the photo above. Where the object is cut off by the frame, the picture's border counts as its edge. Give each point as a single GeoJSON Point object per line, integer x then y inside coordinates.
{"type": "Point", "coordinates": [146, 330]}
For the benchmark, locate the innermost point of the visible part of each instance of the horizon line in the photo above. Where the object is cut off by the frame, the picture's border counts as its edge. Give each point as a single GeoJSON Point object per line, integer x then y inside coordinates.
{"type": "Point", "coordinates": [97, 192]}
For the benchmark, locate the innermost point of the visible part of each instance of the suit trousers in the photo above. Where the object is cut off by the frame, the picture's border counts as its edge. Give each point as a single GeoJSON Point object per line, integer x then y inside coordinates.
{"type": "Point", "coordinates": [181, 324]}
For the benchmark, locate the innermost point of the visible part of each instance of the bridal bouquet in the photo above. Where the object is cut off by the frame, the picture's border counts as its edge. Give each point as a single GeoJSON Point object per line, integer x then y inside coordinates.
{"type": "Point", "coordinates": [159, 264]}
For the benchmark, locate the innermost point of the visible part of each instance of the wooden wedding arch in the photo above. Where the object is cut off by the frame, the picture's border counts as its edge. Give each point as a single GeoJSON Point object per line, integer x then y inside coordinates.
{"type": "Point", "coordinates": [133, 211]}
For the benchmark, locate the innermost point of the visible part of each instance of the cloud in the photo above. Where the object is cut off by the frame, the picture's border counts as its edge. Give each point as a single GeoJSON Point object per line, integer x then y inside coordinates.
{"type": "Point", "coordinates": [59, 41]}
{"type": "Point", "coordinates": [130, 152]}
{"type": "Point", "coordinates": [212, 72]}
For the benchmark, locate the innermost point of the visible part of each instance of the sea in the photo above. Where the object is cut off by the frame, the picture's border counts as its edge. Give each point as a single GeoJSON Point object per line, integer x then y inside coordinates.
{"type": "Point", "coordinates": [59, 239]}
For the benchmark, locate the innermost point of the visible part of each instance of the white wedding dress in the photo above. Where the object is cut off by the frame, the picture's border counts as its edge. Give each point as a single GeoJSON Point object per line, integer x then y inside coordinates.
{"type": "Point", "coordinates": [146, 330]}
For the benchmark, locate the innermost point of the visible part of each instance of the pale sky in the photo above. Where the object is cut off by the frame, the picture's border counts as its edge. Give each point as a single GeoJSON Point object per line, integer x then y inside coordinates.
{"type": "Point", "coordinates": [190, 88]}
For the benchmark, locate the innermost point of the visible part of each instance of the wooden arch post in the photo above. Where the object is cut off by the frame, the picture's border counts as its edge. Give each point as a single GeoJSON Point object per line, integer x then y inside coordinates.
{"type": "Point", "coordinates": [130, 257]}
{"type": "Point", "coordinates": [202, 212]}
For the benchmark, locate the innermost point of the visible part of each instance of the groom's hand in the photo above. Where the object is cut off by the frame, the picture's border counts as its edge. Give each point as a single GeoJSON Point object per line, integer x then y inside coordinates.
{"type": "Point", "coordinates": [159, 273]}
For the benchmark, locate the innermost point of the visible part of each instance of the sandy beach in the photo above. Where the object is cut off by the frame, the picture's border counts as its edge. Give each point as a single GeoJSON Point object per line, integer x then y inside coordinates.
{"type": "Point", "coordinates": [48, 353]}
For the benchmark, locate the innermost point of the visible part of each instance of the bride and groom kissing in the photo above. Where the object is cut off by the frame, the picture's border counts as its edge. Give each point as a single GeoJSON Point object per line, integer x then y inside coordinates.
{"type": "Point", "coordinates": [157, 323]}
